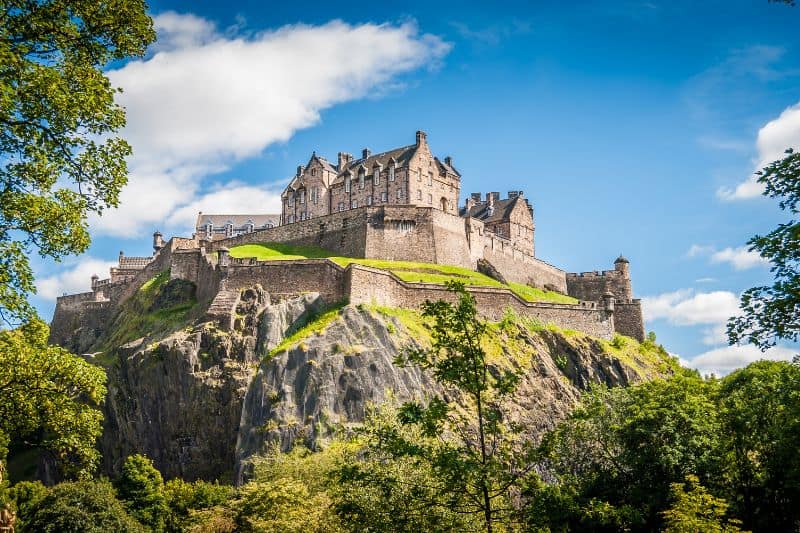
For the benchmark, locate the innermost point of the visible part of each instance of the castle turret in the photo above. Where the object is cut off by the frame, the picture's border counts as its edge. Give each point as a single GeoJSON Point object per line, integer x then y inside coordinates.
{"type": "Point", "coordinates": [622, 265]}
{"type": "Point", "coordinates": [608, 300]}
{"type": "Point", "coordinates": [158, 241]}
{"type": "Point", "coordinates": [95, 278]}
{"type": "Point", "coordinates": [223, 256]}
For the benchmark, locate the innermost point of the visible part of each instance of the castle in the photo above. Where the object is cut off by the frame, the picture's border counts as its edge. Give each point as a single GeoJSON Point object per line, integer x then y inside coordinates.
{"type": "Point", "coordinates": [401, 204]}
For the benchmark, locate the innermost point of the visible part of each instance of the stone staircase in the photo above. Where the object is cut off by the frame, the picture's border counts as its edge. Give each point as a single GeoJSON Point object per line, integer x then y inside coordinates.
{"type": "Point", "coordinates": [223, 308]}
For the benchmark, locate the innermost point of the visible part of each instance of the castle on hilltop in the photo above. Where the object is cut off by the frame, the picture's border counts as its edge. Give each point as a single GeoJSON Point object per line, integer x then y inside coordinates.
{"type": "Point", "coordinates": [401, 204]}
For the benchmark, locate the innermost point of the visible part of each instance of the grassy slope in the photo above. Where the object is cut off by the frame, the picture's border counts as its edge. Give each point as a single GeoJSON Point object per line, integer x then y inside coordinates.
{"type": "Point", "coordinates": [405, 270]}
{"type": "Point", "coordinates": [506, 339]}
{"type": "Point", "coordinates": [135, 318]}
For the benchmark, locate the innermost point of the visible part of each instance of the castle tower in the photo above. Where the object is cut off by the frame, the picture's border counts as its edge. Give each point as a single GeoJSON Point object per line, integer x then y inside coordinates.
{"type": "Point", "coordinates": [158, 242]}
{"type": "Point", "coordinates": [622, 265]}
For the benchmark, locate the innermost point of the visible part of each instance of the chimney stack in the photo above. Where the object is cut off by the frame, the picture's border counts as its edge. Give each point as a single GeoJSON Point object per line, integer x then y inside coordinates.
{"type": "Point", "coordinates": [344, 160]}
{"type": "Point", "coordinates": [422, 138]}
{"type": "Point", "coordinates": [448, 161]}
{"type": "Point", "coordinates": [476, 197]}
{"type": "Point", "coordinates": [470, 203]}
{"type": "Point", "coordinates": [299, 170]}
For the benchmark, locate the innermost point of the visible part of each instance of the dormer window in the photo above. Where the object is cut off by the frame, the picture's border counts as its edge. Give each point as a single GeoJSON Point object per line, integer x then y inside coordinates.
{"type": "Point", "coordinates": [250, 227]}
{"type": "Point", "coordinates": [209, 229]}
{"type": "Point", "coordinates": [361, 177]}
{"type": "Point", "coordinates": [302, 197]}
{"type": "Point", "coordinates": [391, 172]}
{"type": "Point", "coordinates": [376, 177]}
{"type": "Point", "coordinates": [347, 183]}
{"type": "Point", "coordinates": [313, 171]}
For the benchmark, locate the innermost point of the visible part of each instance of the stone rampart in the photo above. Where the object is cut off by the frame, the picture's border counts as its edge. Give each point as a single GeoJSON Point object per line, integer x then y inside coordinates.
{"type": "Point", "coordinates": [628, 318]}
{"type": "Point", "coordinates": [592, 285]}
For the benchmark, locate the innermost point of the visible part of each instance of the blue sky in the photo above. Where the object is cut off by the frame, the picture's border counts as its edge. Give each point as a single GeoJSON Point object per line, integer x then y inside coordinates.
{"type": "Point", "coordinates": [632, 126]}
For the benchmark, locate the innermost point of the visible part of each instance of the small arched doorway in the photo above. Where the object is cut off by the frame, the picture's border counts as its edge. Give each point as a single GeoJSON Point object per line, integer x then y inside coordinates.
{"type": "Point", "coordinates": [443, 203]}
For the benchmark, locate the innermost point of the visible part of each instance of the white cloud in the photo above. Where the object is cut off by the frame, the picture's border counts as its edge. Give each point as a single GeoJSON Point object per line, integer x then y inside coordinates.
{"type": "Point", "coordinates": [741, 258]}
{"type": "Point", "coordinates": [721, 361]}
{"type": "Point", "coordinates": [715, 335]}
{"type": "Point", "coordinates": [229, 200]}
{"type": "Point", "coordinates": [73, 280]}
{"type": "Point", "coordinates": [205, 100]}
{"type": "Point", "coordinates": [698, 249]}
{"type": "Point", "coordinates": [684, 307]}
{"type": "Point", "coordinates": [773, 139]}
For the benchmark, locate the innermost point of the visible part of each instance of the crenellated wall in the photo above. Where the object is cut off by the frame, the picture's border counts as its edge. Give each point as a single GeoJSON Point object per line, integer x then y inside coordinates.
{"type": "Point", "coordinates": [592, 285]}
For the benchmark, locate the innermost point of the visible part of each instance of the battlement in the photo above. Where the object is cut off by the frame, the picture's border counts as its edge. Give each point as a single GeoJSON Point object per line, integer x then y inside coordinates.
{"type": "Point", "coordinates": [594, 274]}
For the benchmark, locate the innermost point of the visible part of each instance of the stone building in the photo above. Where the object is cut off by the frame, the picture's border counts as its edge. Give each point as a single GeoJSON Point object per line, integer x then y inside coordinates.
{"type": "Point", "coordinates": [213, 227]}
{"type": "Point", "coordinates": [409, 175]}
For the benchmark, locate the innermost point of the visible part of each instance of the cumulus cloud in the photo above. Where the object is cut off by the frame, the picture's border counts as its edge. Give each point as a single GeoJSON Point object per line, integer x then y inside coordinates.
{"type": "Point", "coordinates": [721, 361]}
{"type": "Point", "coordinates": [205, 100]}
{"type": "Point", "coordinates": [229, 200]}
{"type": "Point", "coordinates": [740, 258]}
{"type": "Point", "coordinates": [773, 140]}
{"type": "Point", "coordinates": [685, 307]}
{"type": "Point", "coordinates": [73, 280]}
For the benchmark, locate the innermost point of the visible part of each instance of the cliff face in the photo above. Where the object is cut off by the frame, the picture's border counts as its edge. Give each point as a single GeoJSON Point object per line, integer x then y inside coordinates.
{"type": "Point", "coordinates": [201, 400]}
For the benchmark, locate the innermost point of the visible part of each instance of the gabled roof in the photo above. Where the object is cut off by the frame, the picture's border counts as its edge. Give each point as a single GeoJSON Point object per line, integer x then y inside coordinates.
{"type": "Point", "coordinates": [238, 221]}
{"type": "Point", "coordinates": [447, 168]}
{"type": "Point", "coordinates": [401, 156]}
{"type": "Point", "coordinates": [501, 210]}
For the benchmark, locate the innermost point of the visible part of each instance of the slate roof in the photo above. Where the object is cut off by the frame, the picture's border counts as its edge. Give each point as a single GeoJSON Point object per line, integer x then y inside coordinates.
{"type": "Point", "coordinates": [502, 210]}
{"type": "Point", "coordinates": [134, 263]}
{"type": "Point", "coordinates": [238, 221]}
{"type": "Point", "coordinates": [401, 156]}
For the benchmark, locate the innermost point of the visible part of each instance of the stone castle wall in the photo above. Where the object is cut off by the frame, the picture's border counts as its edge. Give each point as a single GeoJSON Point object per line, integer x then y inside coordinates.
{"type": "Point", "coordinates": [628, 318]}
{"type": "Point", "coordinates": [592, 285]}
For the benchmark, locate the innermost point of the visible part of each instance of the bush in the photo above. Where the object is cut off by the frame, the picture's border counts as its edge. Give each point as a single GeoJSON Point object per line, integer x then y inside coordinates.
{"type": "Point", "coordinates": [184, 499]}
{"type": "Point", "coordinates": [25, 496]}
{"type": "Point", "coordinates": [142, 489]}
{"type": "Point", "coordinates": [81, 507]}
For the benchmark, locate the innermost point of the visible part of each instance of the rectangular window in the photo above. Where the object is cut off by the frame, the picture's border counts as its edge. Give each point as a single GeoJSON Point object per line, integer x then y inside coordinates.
{"type": "Point", "coordinates": [369, 200]}
{"type": "Point", "coordinates": [376, 179]}
{"type": "Point", "coordinates": [430, 179]}
{"type": "Point", "coordinates": [430, 198]}
{"type": "Point", "coordinates": [302, 197]}
{"type": "Point", "coordinates": [419, 194]}
{"type": "Point", "coordinates": [419, 174]}
{"type": "Point", "coordinates": [383, 197]}
{"type": "Point", "coordinates": [399, 193]}
{"type": "Point", "coordinates": [361, 180]}
{"type": "Point", "coordinates": [391, 173]}
{"type": "Point", "coordinates": [354, 204]}
{"type": "Point", "coordinates": [347, 184]}
{"type": "Point", "coordinates": [341, 206]}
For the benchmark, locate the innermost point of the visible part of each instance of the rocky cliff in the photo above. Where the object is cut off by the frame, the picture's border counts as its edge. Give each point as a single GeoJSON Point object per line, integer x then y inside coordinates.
{"type": "Point", "coordinates": [201, 393]}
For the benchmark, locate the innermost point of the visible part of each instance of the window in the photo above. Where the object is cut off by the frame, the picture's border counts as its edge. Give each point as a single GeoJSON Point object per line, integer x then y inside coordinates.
{"type": "Point", "coordinates": [391, 173]}
{"type": "Point", "coordinates": [361, 179]}
{"type": "Point", "coordinates": [430, 198]}
{"type": "Point", "coordinates": [384, 196]}
{"type": "Point", "coordinates": [400, 193]}
{"type": "Point", "coordinates": [302, 215]}
{"type": "Point", "coordinates": [209, 229]}
{"type": "Point", "coordinates": [291, 219]}
{"type": "Point", "coordinates": [419, 194]}
{"type": "Point", "coordinates": [341, 206]}
{"type": "Point", "coordinates": [347, 184]}
{"type": "Point", "coordinates": [376, 177]}
{"type": "Point", "coordinates": [313, 171]}
{"type": "Point", "coordinates": [419, 174]}
{"type": "Point", "coordinates": [354, 204]}
{"type": "Point", "coordinates": [369, 200]}
{"type": "Point", "coordinates": [302, 197]}
{"type": "Point", "coordinates": [430, 179]}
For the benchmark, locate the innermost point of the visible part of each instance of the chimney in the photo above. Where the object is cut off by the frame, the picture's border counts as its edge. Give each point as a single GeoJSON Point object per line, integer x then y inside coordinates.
{"type": "Point", "coordinates": [422, 138]}
{"type": "Point", "coordinates": [344, 160]}
{"type": "Point", "coordinates": [476, 197]}
{"type": "Point", "coordinates": [299, 170]}
{"type": "Point", "coordinates": [512, 194]}
{"type": "Point", "coordinates": [448, 161]}
{"type": "Point", "coordinates": [470, 203]}
{"type": "Point", "coordinates": [365, 153]}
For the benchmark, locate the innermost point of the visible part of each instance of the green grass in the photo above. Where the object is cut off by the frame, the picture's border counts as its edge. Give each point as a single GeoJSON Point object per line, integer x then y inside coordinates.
{"type": "Point", "coordinates": [406, 270]}
{"type": "Point", "coordinates": [136, 319]}
{"type": "Point", "coordinates": [315, 325]}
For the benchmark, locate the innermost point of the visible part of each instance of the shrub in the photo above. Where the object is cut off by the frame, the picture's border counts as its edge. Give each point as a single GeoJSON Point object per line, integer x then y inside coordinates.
{"type": "Point", "coordinates": [142, 489]}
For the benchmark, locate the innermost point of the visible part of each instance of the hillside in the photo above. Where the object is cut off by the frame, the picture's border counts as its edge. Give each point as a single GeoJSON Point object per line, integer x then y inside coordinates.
{"type": "Point", "coordinates": [201, 400]}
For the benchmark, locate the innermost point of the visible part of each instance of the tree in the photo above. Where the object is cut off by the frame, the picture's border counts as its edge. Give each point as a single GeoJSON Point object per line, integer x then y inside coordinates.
{"type": "Point", "coordinates": [81, 507]}
{"type": "Point", "coordinates": [49, 397]}
{"type": "Point", "coordinates": [58, 160]}
{"type": "Point", "coordinates": [472, 448]}
{"type": "Point", "coordinates": [696, 510]}
{"type": "Point", "coordinates": [772, 313]}
{"type": "Point", "coordinates": [185, 499]}
{"type": "Point", "coordinates": [760, 408]}
{"type": "Point", "coordinates": [142, 489]}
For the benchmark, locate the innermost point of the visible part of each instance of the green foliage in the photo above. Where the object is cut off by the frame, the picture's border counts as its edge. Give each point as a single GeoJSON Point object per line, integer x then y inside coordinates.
{"type": "Point", "coordinates": [185, 499]}
{"type": "Point", "coordinates": [760, 409]}
{"type": "Point", "coordinates": [405, 270]}
{"type": "Point", "coordinates": [49, 398]}
{"type": "Point", "coordinates": [384, 487]}
{"type": "Point", "coordinates": [625, 446]}
{"type": "Point", "coordinates": [59, 160]}
{"type": "Point", "coordinates": [696, 510]}
{"type": "Point", "coordinates": [24, 497]}
{"type": "Point", "coordinates": [141, 488]}
{"type": "Point", "coordinates": [772, 313]}
{"type": "Point", "coordinates": [81, 507]}
{"type": "Point", "coordinates": [474, 450]}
